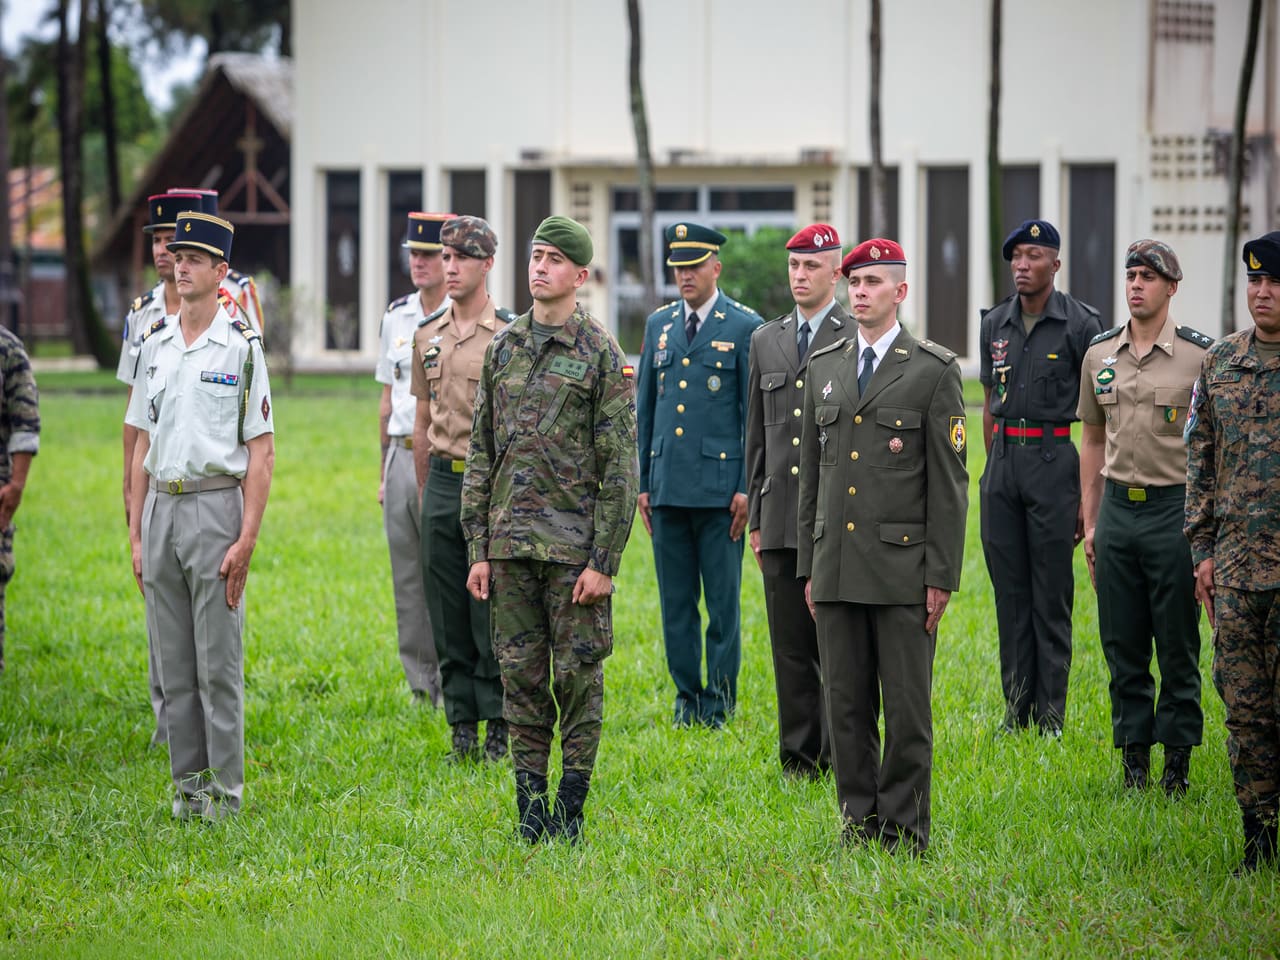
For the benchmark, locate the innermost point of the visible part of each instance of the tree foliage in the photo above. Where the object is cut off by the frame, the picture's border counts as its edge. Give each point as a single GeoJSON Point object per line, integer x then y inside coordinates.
{"type": "Point", "coordinates": [248, 25]}
{"type": "Point", "coordinates": [755, 271]}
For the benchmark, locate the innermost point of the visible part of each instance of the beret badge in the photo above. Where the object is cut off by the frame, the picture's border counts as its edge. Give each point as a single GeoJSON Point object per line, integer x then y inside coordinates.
{"type": "Point", "coordinates": [1035, 230]}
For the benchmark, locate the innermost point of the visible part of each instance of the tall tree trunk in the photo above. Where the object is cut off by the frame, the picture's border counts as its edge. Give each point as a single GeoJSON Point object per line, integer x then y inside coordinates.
{"type": "Point", "coordinates": [1235, 175]}
{"type": "Point", "coordinates": [879, 220]}
{"type": "Point", "coordinates": [108, 108]}
{"type": "Point", "coordinates": [995, 200]}
{"type": "Point", "coordinates": [87, 332]}
{"type": "Point", "coordinates": [644, 158]}
{"type": "Point", "coordinates": [8, 284]}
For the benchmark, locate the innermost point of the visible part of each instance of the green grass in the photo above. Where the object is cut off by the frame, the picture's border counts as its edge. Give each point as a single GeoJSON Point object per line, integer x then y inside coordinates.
{"type": "Point", "coordinates": [358, 840]}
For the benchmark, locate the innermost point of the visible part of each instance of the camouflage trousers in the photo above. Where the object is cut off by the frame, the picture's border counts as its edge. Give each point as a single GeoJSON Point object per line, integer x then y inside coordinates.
{"type": "Point", "coordinates": [1246, 671]}
{"type": "Point", "coordinates": [550, 652]}
{"type": "Point", "coordinates": [6, 574]}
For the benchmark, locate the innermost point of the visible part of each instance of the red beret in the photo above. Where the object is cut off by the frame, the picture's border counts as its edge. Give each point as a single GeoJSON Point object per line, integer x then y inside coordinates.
{"type": "Point", "coordinates": [871, 252]}
{"type": "Point", "coordinates": [815, 238]}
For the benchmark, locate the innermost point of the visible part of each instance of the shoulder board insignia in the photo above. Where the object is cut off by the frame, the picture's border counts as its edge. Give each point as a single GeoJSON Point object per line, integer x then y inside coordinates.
{"type": "Point", "coordinates": [829, 348]}
{"type": "Point", "coordinates": [439, 312]}
{"type": "Point", "coordinates": [938, 350]}
{"type": "Point", "coordinates": [228, 303]}
{"type": "Point", "coordinates": [156, 327]}
{"type": "Point", "coordinates": [776, 319]}
{"type": "Point", "coordinates": [142, 301]}
{"type": "Point", "coordinates": [1195, 336]}
{"type": "Point", "coordinates": [505, 315]}
{"type": "Point", "coordinates": [744, 308]}
{"type": "Point", "coordinates": [1107, 335]}
{"type": "Point", "coordinates": [242, 279]}
{"type": "Point", "coordinates": [666, 306]}
{"type": "Point", "coordinates": [399, 301]}
{"type": "Point", "coordinates": [245, 330]}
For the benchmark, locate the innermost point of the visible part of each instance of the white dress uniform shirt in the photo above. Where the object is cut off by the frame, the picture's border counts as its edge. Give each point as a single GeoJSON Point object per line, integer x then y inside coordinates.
{"type": "Point", "coordinates": [189, 399]}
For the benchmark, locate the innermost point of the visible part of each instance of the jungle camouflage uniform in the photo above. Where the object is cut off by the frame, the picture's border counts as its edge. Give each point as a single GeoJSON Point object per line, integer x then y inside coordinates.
{"type": "Point", "coordinates": [1233, 518]}
{"type": "Point", "coordinates": [19, 433]}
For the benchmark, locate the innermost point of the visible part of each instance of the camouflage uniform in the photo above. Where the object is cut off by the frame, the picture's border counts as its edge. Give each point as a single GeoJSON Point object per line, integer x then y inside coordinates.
{"type": "Point", "coordinates": [19, 433]}
{"type": "Point", "coordinates": [550, 488]}
{"type": "Point", "coordinates": [1233, 518]}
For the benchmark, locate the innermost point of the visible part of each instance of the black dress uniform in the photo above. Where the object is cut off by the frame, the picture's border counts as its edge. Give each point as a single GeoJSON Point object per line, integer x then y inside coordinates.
{"type": "Point", "coordinates": [1030, 496]}
{"type": "Point", "coordinates": [692, 409]}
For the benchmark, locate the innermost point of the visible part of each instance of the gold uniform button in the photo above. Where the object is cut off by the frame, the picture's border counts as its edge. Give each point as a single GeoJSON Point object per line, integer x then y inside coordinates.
{"type": "Point", "coordinates": [684, 362]}
{"type": "Point", "coordinates": [858, 418]}
{"type": "Point", "coordinates": [679, 431]}
{"type": "Point", "coordinates": [906, 539]}
{"type": "Point", "coordinates": [799, 384]}
{"type": "Point", "coordinates": [853, 455]}
{"type": "Point", "coordinates": [719, 364]}
{"type": "Point", "coordinates": [852, 491]}
{"type": "Point", "coordinates": [683, 384]}
{"type": "Point", "coordinates": [849, 527]}
{"type": "Point", "coordinates": [897, 423]}
{"type": "Point", "coordinates": [796, 411]}
{"type": "Point", "coordinates": [679, 408]}
{"type": "Point", "coordinates": [795, 441]}
{"type": "Point", "coordinates": [721, 454]}
{"type": "Point", "coordinates": [795, 471]}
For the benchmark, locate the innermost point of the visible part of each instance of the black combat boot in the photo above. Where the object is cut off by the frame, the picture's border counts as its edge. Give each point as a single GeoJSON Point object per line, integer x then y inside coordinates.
{"type": "Point", "coordinates": [495, 740]}
{"type": "Point", "coordinates": [566, 821]}
{"type": "Point", "coordinates": [1137, 764]}
{"type": "Point", "coordinates": [1259, 838]}
{"type": "Point", "coordinates": [466, 743]}
{"type": "Point", "coordinates": [531, 806]}
{"type": "Point", "coordinates": [1177, 766]}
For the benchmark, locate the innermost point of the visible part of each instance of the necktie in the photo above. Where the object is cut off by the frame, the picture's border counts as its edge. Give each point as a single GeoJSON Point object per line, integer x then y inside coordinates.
{"type": "Point", "coordinates": [802, 345]}
{"type": "Point", "coordinates": [864, 378]}
{"type": "Point", "coordinates": [691, 326]}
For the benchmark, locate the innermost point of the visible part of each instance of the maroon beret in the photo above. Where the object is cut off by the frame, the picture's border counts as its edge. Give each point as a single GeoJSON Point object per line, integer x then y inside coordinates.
{"type": "Point", "coordinates": [815, 238]}
{"type": "Point", "coordinates": [872, 252]}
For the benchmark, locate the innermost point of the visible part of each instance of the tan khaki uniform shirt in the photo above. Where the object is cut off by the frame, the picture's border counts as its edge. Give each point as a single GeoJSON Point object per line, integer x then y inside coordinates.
{"type": "Point", "coordinates": [1143, 403]}
{"type": "Point", "coordinates": [446, 373]}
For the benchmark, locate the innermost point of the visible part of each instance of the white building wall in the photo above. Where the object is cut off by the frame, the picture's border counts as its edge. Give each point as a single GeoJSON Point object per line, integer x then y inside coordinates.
{"type": "Point", "coordinates": [743, 91]}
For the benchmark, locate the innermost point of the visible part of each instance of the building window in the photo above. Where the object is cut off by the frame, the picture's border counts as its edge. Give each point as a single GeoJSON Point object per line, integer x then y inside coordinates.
{"type": "Point", "coordinates": [404, 196]}
{"type": "Point", "coordinates": [533, 205]}
{"type": "Point", "coordinates": [864, 205]}
{"type": "Point", "coordinates": [467, 193]}
{"type": "Point", "coordinates": [342, 260]}
{"type": "Point", "coordinates": [725, 208]}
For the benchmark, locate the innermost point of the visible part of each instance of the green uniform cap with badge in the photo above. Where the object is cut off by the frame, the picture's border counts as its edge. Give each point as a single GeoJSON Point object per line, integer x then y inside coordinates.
{"type": "Point", "coordinates": [688, 244]}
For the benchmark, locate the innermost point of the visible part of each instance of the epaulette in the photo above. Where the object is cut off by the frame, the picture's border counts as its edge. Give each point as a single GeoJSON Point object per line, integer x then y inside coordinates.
{"type": "Point", "coordinates": [438, 313]}
{"type": "Point", "coordinates": [1107, 334]}
{"type": "Point", "coordinates": [399, 302]}
{"type": "Point", "coordinates": [228, 303]}
{"type": "Point", "coordinates": [505, 315]}
{"type": "Point", "coordinates": [246, 331]}
{"type": "Point", "coordinates": [743, 307]}
{"type": "Point", "coordinates": [775, 320]}
{"type": "Point", "coordinates": [829, 348]}
{"type": "Point", "coordinates": [1202, 340]}
{"type": "Point", "coordinates": [938, 350]}
{"type": "Point", "coordinates": [156, 327]}
{"type": "Point", "coordinates": [142, 301]}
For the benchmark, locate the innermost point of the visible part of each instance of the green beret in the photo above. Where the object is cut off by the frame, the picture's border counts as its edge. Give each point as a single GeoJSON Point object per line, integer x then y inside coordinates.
{"type": "Point", "coordinates": [569, 236]}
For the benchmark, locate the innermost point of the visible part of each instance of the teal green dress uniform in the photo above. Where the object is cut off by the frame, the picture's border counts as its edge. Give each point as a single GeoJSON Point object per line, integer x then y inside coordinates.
{"type": "Point", "coordinates": [692, 410]}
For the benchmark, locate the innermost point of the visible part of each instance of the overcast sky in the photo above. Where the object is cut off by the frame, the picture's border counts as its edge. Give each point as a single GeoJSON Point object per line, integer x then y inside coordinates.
{"type": "Point", "coordinates": [22, 18]}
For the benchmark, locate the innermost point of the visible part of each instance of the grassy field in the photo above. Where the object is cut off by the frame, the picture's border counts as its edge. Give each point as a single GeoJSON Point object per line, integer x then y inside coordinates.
{"type": "Point", "coordinates": [358, 840]}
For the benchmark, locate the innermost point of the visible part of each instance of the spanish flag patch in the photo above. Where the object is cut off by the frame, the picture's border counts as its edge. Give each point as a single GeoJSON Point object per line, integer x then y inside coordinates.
{"type": "Point", "coordinates": [628, 371]}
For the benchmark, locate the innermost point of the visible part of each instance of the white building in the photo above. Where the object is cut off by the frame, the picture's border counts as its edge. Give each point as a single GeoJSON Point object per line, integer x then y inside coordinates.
{"type": "Point", "coordinates": [1115, 119]}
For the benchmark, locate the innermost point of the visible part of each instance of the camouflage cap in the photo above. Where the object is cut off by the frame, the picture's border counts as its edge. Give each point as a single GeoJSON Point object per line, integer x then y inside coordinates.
{"type": "Point", "coordinates": [469, 236]}
{"type": "Point", "coordinates": [1156, 255]}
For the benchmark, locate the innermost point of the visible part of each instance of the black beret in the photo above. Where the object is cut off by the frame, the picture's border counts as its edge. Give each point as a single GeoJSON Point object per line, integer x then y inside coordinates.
{"type": "Point", "coordinates": [1262, 256]}
{"type": "Point", "coordinates": [1040, 233]}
